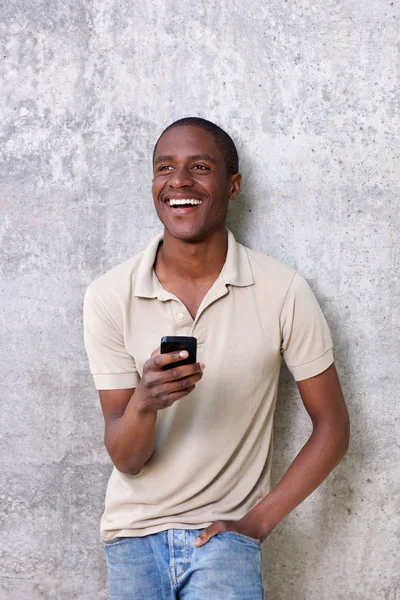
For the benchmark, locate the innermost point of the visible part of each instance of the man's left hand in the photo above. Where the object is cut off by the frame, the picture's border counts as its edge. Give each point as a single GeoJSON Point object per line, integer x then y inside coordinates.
{"type": "Point", "coordinates": [224, 526]}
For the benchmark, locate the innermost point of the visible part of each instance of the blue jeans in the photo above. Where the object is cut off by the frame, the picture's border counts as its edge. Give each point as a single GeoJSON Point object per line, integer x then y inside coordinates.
{"type": "Point", "coordinates": [167, 566]}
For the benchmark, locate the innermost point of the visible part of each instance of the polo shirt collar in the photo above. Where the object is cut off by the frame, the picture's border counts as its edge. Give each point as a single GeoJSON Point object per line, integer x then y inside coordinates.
{"type": "Point", "coordinates": [236, 270]}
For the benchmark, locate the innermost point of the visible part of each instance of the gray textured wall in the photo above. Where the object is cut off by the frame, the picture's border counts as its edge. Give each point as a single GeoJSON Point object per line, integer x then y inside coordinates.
{"type": "Point", "coordinates": [310, 92]}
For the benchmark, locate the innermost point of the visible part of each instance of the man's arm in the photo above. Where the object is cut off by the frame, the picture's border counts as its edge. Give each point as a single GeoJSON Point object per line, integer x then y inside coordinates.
{"type": "Point", "coordinates": [129, 433]}
{"type": "Point", "coordinates": [323, 399]}
{"type": "Point", "coordinates": [130, 415]}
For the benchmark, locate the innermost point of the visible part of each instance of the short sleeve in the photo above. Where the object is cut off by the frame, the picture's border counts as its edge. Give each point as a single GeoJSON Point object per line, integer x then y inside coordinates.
{"type": "Point", "coordinates": [110, 363]}
{"type": "Point", "coordinates": [306, 339]}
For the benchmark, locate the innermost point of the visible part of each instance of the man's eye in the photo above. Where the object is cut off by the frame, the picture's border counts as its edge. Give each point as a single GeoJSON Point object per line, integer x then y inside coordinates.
{"type": "Point", "coordinates": [164, 167]}
{"type": "Point", "coordinates": [201, 167]}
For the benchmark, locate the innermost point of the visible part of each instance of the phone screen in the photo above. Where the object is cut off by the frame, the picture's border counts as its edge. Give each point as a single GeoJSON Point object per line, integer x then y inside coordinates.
{"type": "Point", "coordinates": [177, 343]}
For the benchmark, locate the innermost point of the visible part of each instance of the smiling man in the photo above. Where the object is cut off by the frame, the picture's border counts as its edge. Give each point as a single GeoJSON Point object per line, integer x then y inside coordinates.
{"type": "Point", "coordinates": [189, 500]}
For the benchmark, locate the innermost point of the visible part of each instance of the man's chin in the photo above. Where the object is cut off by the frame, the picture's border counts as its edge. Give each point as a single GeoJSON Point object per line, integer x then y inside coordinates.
{"type": "Point", "coordinates": [187, 234]}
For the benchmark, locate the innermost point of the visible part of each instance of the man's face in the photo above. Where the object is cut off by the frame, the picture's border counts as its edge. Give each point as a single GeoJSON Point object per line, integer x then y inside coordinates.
{"type": "Point", "coordinates": [189, 166]}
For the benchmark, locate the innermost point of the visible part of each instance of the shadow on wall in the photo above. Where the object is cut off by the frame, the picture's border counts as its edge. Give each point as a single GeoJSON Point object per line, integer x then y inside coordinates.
{"type": "Point", "coordinates": [293, 555]}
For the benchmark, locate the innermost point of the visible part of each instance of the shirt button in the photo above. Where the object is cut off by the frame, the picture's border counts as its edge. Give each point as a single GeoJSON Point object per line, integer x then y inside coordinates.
{"type": "Point", "coordinates": [180, 316]}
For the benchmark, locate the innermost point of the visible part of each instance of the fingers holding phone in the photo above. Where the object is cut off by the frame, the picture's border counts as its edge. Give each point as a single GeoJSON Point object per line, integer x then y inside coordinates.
{"type": "Point", "coordinates": [169, 375]}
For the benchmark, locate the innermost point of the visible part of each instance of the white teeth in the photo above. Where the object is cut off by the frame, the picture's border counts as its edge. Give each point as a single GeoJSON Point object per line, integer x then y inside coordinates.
{"type": "Point", "coordinates": [176, 202]}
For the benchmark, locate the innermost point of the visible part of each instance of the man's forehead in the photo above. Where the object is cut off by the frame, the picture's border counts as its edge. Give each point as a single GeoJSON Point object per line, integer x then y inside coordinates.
{"type": "Point", "coordinates": [189, 140]}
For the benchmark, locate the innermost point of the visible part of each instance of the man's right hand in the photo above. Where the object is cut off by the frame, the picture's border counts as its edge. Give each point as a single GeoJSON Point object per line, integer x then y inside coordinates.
{"type": "Point", "coordinates": [159, 389]}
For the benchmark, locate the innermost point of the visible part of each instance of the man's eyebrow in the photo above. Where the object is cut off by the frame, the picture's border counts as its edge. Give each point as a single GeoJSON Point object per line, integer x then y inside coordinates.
{"type": "Point", "coordinates": [169, 157]}
{"type": "Point", "coordinates": [163, 158]}
{"type": "Point", "coordinates": [203, 157]}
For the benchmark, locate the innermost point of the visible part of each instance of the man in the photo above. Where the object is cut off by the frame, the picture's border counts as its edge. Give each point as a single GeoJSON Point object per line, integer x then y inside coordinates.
{"type": "Point", "coordinates": [189, 500]}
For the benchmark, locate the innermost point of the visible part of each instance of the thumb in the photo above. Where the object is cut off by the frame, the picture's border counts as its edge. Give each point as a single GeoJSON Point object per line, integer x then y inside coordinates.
{"type": "Point", "coordinates": [206, 535]}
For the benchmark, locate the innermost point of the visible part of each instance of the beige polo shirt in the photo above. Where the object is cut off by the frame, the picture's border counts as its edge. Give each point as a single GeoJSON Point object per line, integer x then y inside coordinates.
{"type": "Point", "coordinates": [212, 457]}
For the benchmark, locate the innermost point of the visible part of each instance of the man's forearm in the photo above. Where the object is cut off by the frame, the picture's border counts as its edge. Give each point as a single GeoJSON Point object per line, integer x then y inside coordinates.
{"type": "Point", "coordinates": [323, 451]}
{"type": "Point", "coordinates": [131, 421]}
{"type": "Point", "coordinates": [130, 438]}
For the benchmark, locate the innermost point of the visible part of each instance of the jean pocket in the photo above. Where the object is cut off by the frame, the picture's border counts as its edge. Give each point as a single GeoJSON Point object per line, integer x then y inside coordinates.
{"type": "Point", "coordinates": [113, 541]}
{"type": "Point", "coordinates": [245, 538]}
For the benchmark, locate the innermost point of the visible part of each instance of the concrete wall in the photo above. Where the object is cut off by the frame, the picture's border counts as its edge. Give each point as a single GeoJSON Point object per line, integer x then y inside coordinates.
{"type": "Point", "coordinates": [310, 92]}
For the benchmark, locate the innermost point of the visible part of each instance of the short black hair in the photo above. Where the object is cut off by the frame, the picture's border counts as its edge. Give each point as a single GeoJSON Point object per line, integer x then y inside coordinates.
{"type": "Point", "coordinates": [221, 138]}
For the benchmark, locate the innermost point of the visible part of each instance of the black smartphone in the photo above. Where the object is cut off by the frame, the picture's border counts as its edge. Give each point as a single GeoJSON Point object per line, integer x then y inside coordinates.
{"type": "Point", "coordinates": [177, 343]}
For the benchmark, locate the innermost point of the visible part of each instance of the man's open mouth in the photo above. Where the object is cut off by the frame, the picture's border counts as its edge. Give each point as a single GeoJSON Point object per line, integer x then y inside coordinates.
{"type": "Point", "coordinates": [183, 206]}
{"type": "Point", "coordinates": [183, 202]}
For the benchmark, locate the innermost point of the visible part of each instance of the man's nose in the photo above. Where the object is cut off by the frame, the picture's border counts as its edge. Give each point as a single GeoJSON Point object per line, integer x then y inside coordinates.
{"type": "Point", "coordinates": [181, 177]}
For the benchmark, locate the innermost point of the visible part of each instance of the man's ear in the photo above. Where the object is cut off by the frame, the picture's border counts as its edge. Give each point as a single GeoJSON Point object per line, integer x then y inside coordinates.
{"type": "Point", "coordinates": [234, 185]}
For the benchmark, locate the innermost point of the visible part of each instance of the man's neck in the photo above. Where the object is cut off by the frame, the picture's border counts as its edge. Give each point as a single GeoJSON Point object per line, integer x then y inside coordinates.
{"type": "Point", "coordinates": [192, 262]}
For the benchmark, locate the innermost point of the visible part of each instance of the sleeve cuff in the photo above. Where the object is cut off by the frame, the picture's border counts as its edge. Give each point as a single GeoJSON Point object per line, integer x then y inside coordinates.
{"type": "Point", "coordinates": [313, 368]}
{"type": "Point", "coordinates": [116, 381]}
